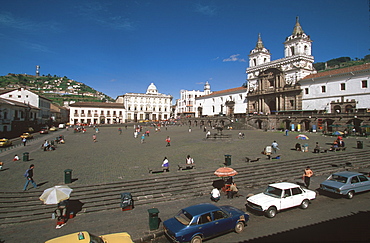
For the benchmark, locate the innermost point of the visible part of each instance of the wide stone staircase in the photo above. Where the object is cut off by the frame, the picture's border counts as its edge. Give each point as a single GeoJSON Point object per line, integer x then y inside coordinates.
{"type": "Point", "coordinates": [18, 207]}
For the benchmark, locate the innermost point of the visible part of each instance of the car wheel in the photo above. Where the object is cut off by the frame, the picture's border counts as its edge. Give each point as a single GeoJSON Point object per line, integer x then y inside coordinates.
{"type": "Point", "coordinates": [196, 239]}
{"type": "Point", "coordinates": [350, 194]}
{"type": "Point", "coordinates": [239, 227]}
{"type": "Point", "coordinates": [305, 204]}
{"type": "Point", "coordinates": [271, 212]}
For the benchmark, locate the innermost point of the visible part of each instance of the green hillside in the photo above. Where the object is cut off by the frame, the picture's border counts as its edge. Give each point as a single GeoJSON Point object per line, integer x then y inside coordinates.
{"type": "Point", "coordinates": [57, 89]}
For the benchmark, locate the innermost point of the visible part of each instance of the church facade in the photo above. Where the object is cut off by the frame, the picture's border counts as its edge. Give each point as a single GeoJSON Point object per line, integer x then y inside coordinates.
{"type": "Point", "coordinates": [273, 85]}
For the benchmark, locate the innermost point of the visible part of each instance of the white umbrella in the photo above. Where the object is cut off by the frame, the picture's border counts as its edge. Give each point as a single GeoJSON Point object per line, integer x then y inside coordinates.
{"type": "Point", "coordinates": [56, 194]}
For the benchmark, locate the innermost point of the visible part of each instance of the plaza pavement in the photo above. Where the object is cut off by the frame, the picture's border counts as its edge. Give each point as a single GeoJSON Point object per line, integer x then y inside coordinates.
{"type": "Point", "coordinates": [117, 157]}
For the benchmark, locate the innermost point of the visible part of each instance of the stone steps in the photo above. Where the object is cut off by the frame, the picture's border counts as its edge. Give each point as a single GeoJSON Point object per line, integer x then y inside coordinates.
{"type": "Point", "coordinates": [17, 207]}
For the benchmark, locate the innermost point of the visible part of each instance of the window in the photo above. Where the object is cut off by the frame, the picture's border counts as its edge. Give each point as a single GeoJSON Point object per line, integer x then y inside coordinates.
{"type": "Point", "coordinates": [362, 178]}
{"type": "Point", "coordinates": [205, 218]}
{"type": "Point", "coordinates": [354, 180]}
{"type": "Point", "coordinates": [219, 215]}
{"type": "Point", "coordinates": [342, 86]}
{"type": "Point", "coordinates": [287, 193]}
{"type": "Point", "coordinates": [306, 90]}
{"type": "Point", "coordinates": [364, 84]}
{"type": "Point", "coordinates": [296, 191]}
{"type": "Point", "coordinates": [291, 103]}
{"type": "Point", "coordinates": [323, 89]}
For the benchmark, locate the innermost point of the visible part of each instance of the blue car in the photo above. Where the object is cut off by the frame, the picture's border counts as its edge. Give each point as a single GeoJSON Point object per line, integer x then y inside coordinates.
{"type": "Point", "coordinates": [196, 223]}
{"type": "Point", "coordinates": [346, 183]}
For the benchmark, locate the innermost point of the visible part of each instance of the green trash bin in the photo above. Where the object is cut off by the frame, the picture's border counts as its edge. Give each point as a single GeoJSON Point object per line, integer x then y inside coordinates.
{"type": "Point", "coordinates": [26, 156]}
{"type": "Point", "coordinates": [153, 218]}
{"type": "Point", "coordinates": [227, 159]}
{"type": "Point", "coordinates": [68, 176]}
{"type": "Point", "coordinates": [360, 144]}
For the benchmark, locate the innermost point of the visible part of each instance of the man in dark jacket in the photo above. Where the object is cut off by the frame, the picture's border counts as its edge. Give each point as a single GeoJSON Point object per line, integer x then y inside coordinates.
{"type": "Point", "coordinates": [29, 177]}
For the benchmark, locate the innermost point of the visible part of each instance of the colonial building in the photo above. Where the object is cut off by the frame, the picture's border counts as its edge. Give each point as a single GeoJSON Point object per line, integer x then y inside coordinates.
{"type": "Point", "coordinates": [229, 102]}
{"type": "Point", "coordinates": [186, 105]}
{"type": "Point", "coordinates": [34, 100]}
{"type": "Point", "coordinates": [344, 90]}
{"type": "Point", "coordinates": [149, 106]}
{"type": "Point", "coordinates": [96, 113]}
{"type": "Point", "coordinates": [16, 116]}
{"type": "Point", "coordinates": [273, 85]}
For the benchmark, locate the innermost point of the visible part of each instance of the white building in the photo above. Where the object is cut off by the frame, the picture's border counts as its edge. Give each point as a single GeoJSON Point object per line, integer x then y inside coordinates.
{"type": "Point", "coordinates": [149, 106]}
{"type": "Point", "coordinates": [27, 97]}
{"type": "Point", "coordinates": [96, 113]}
{"type": "Point", "coordinates": [229, 102]}
{"type": "Point", "coordinates": [343, 90]}
{"type": "Point", "coordinates": [186, 105]}
{"type": "Point", "coordinates": [272, 84]}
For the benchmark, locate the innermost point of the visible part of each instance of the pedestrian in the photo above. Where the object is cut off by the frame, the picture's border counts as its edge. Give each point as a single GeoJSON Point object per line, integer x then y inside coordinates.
{"type": "Point", "coordinates": [189, 160]}
{"type": "Point", "coordinates": [275, 146]}
{"type": "Point", "coordinates": [215, 195]}
{"type": "Point", "coordinates": [29, 177]}
{"type": "Point", "coordinates": [307, 176]}
{"type": "Point", "coordinates": [119, 131]}
{"type": "Point", "coordinates": [189, 129]}
{"type": "Point", "coordinates": [286, 132]}
{"type": "Point", "coordinates": [166, 164]}
{"type": "Point", "coordinates": [142, 138]}
{"type": "Point", "coordinates": [208, 134]}
{"type": "Point", "coordinates": [168, 140]}
{"type": "Point", "coordinates": [147, 133]}
{"type": "Point", "coordinates": [317, 148]}
{"type": "Point", "coordinates": [1, 165]}
{"type": "Point", "coordinates": [94, 138]}
{"type": "Point", "coordinates": [16, 158]}
{"type": "Point", "coordinates": [24, 141]}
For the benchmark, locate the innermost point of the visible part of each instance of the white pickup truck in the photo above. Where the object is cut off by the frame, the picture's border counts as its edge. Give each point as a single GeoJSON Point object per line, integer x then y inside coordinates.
{"type": "Point", "coordinates": [279, 196]}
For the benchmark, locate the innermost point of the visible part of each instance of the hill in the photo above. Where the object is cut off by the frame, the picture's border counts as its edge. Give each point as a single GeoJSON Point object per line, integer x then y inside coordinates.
{"type": "Point", "coordinates": [57, 89]}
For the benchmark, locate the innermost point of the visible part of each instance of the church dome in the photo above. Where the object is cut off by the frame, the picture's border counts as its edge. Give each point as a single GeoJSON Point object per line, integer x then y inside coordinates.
{"type": "Point", "coordinates": [152, 89]}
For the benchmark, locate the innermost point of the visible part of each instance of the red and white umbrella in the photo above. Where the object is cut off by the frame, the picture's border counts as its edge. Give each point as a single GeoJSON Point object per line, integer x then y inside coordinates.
{"type": "Point", "coordinates": [225, 171]}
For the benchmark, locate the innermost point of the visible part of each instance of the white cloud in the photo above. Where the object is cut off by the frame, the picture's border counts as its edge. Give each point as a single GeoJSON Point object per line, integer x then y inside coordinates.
{"type": "Point", "coordinates": [206, 10]}
{"type": "Point", "coordinates": [234, 58]}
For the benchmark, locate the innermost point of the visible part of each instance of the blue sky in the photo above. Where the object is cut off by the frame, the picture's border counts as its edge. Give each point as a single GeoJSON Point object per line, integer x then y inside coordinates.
{"type": "Point", "coordinates": [120, 46]}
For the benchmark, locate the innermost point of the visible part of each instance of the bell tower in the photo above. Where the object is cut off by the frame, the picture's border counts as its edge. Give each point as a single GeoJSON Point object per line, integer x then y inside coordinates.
{"type": "Point", "coordinates": [298, 43]}
{"type": "Point", "coordinates": [259, 54]}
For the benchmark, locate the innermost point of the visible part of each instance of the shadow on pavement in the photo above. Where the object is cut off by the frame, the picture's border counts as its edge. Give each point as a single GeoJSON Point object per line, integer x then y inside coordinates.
{"type": "Point", "coordinates": [352, 228]}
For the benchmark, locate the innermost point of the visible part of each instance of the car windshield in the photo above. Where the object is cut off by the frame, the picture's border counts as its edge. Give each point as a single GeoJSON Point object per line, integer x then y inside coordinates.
{"type": "Point", "coordinates": [95, 239]}
{"type": "Point", "coordinates": [272, 191]}
{"type": "Point", "coordinates": [338, 178]}
{"type": "Point", "coordinates": [184, 217]}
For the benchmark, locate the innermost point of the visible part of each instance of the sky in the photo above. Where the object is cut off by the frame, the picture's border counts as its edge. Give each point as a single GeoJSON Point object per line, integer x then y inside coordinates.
{"type": "Point", "coordinates": [121, 46]}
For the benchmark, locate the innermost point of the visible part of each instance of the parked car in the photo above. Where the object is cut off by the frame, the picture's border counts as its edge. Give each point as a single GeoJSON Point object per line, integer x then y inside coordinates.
{"type": "Point", "coordinates": [346, 183]}
{"type": "Point", "coordinates": [86, 237]}
{"type": "Point", "coordinates": [203, 221]}
{"type": "Point", "coordinates": [5, 142]}
{"type": "Point", "coordinates": [26, 135]}
{"type": "Point", "coordinates": [62, 126]}
{"type": "Point", "coordinates": [53, 129]}
{"type": "Point", "coordinates": [279, 196]}
{"type": "Point", "coordinates": [44, 131]}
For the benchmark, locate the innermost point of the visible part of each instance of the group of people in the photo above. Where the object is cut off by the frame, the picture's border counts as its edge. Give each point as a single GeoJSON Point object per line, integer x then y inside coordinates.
{"type": "Point", "coordinates": [229, 188]}
{"type": "Point", "coordinates": [338, 143]}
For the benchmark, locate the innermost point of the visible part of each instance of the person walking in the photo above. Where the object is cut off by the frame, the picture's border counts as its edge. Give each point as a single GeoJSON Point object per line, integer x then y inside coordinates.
{"type": "Point", "coordinates": [275, 146]}
{"type": "Point", "coordinates": [24, 141]}
{"type": "Point", "coordinates": [307, 174]}
{"type": "Point", "coordinates": [94, 138]}
{"type": "Point", "coordinates": [142, 138]}
{"type": "Point", "coordinates": [168, 140]}
{"type": "Point", "coordinates": [119, 131]}
{"type": "Point", "coordinates": [29, 177]}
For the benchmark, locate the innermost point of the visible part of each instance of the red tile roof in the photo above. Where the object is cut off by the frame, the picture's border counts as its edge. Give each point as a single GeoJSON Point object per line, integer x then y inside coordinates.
{"type": "Point", "coordinates": [338, 71]}
{"type": "Point", "coordinates": [226, 91]}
